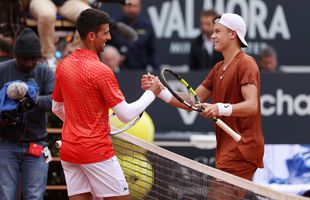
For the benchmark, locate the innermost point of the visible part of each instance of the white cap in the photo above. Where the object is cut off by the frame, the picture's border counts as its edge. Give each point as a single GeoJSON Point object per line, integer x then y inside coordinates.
{"type": "Point", "coordinates": [236, 23]}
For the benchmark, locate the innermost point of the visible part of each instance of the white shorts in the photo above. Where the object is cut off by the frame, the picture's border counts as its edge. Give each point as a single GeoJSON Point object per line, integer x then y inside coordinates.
{"type": "Point", "coordinates": [102, 179]}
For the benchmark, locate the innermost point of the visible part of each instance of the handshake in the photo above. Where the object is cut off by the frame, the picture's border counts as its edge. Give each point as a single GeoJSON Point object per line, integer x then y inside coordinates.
{"type": "Point", "coordinates": [151, 82]}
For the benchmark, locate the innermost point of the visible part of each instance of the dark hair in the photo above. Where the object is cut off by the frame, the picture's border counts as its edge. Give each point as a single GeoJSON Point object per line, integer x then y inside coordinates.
{"type": "Point", "coordinates": [90, 20]}
{"type": "Point", "coordinates": [208, 13]}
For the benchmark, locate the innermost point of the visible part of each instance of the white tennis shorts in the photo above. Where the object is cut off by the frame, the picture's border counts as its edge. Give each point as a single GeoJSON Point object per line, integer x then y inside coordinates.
{"type": "Point", "coordinates": [102, 179]}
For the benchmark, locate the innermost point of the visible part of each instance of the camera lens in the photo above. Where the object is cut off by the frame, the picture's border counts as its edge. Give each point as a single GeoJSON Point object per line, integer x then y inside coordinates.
{"type": "Point", "coordinates": [26, 105]}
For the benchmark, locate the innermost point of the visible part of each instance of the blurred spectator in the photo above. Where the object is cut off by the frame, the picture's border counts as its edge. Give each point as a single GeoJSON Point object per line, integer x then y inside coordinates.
{"type": "Point", "coordinates": [5, 49]}
{"type": "Point", "coordinates": [23, 147]}
{"type": "Point", "coordinates": [111, 57]}
{"type": "Point", "coordinates": [202, 54]}
{"type": "Point", "coordinates": [10, 16]}
{"type": "Point", "coordinates": [45, 12]}
{"type": "Point", "coordinates": [139, 54]}
{"type": "Point", "coordinates": [268, 60]}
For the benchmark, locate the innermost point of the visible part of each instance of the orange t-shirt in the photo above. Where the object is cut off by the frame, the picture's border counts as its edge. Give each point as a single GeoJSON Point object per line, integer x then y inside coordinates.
{"type": "Point", "coordinates": [88, 89]}
{"type": "Point", "coordinates": [241, 71]}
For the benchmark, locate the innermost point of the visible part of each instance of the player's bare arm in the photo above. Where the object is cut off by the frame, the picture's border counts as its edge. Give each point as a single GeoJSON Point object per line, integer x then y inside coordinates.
{"type": "Point", "coordinates": [203, 93]}
{"type": "Point", "coordinates": [246, 108]}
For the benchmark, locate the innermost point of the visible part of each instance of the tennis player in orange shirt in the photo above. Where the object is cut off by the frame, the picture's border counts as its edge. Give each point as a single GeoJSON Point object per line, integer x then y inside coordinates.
{"type": "Point", "coordinates": [234, 85]}
{"type": "Point", "coordinates": [84, 91]}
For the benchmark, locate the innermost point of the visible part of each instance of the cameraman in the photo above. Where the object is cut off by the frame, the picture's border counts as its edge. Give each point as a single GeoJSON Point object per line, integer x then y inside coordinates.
{"type": "Point", "coordinates": [22, 142]}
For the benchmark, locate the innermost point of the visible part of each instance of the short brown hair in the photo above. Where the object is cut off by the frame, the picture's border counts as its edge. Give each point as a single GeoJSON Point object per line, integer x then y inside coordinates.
{"type": "Point", "coordinates": [208, 13]}
{"type": "Point", "coordinates": [267, 52]}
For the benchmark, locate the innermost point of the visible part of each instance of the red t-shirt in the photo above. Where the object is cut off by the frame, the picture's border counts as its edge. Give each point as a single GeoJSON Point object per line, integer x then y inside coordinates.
{"type": "Point", "coordinates": [88, 89]}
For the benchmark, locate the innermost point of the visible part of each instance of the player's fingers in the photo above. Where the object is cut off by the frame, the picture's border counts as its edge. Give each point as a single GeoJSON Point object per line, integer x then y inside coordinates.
{"type": "Point", "coordinates": [150, 75]}
{"type": "Point", "coordinates": [205, 105]}
{"type": "Point", "coordinates": [144, 79]}
{"type": "Point", "coordinates": [157, 80]}
{"type": "Point", "coordinates": [145, 87]}
{"type": "Point", "coordinates": [199, 105]}
{"type": "Point", "coordinates": [207, 113]}
{"type": "Point", "coordinates": [146, 82]}
{"type": "Point", "coordinates": [145, 76]}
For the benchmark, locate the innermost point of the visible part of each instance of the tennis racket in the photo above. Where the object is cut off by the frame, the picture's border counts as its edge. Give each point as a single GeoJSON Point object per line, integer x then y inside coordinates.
{"type": "Point", "coordinates": [116, 126]}
{"type": "Point", "coordinates": [186, 95]}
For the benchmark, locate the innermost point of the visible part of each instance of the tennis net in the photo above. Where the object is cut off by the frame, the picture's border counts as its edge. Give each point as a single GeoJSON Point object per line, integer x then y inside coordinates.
{"type": "Point", "coordinates": [155, 173]}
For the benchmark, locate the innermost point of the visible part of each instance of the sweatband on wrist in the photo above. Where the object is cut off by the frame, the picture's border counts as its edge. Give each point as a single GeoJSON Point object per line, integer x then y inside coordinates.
{"type": "Point", "coordinates": [165, 95]}
{"type": "Point", "coordinates": [225, 109]}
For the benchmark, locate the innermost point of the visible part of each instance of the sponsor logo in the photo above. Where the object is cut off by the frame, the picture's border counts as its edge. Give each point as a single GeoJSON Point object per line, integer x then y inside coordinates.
{"type": "Point", "coordinates": [285, 104]}
{"type": "Point", "coordinates": [170, 18]}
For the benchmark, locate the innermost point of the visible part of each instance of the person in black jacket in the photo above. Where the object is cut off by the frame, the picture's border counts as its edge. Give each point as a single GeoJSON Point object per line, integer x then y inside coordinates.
{"type": "Point", "coordinates": [202, 54]}
{"type": "Point", "coordinates": [23, 136]}
{"type": "Point", "coordinates": [140, 54]}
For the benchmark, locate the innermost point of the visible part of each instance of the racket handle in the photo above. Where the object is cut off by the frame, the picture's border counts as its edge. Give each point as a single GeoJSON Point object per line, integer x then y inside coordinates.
{"type": "Point", "coordinates": [58, 144]}
{"type": "Point", "coordinates": [227, 129]}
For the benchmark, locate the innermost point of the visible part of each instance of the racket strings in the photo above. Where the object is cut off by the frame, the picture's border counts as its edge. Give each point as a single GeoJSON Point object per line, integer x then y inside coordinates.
{"type": "Point", "coordinates": [168, 75]}
{"type": "Point", "coordinates": [117, 126]}
{"type": "Point", "coordinates": [180, 87]}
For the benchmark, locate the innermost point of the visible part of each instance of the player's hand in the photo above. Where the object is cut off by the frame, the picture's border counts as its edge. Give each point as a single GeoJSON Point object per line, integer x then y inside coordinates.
{"type": "Point", "coordinates": [147, 81]}
{"type": "Point", "coordinates": [156, 86]}
{"type": "Point", "coordinates": [210, 110]}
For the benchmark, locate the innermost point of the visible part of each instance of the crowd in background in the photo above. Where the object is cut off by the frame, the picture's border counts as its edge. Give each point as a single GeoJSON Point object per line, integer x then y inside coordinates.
{"type": "Point", "coordinates": [123, 53]}
{"type": "Point", "coordinates": [31, 51]}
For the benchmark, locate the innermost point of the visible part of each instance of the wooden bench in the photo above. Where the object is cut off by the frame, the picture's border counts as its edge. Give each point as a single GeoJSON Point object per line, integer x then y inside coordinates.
{"type": "Point", "coordinates": [60, 23]}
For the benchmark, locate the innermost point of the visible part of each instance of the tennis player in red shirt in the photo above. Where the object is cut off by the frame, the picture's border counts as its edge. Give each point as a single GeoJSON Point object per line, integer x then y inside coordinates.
{"type": "Point", "coordinates": [84, 91]}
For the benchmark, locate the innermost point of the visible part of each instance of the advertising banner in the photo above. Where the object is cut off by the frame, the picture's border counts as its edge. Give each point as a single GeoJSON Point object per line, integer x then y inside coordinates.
{"type": "Point", "coordinates": [285, 106]}
{"type": "Point", "coordinates": [281, 24]}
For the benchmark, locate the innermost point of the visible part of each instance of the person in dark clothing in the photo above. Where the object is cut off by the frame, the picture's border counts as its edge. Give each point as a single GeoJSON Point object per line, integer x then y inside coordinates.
{"type": "Point", "coordinates": [202, 54]}
{"type": "Point", "coordinates": [23, 139]}
{"type": "Point", "coordinates": [5, 49]}
{"type": "Point", "coordinates": [141, 53]}
{"type": "Point", "coordinates": [268, 60]}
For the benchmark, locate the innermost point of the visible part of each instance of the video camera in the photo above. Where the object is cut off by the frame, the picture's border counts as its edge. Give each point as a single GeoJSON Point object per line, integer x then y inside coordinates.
{"type": "Point", "coordinates": [12, 109]}
{"type": "Point", "coordinates": [11, 117]}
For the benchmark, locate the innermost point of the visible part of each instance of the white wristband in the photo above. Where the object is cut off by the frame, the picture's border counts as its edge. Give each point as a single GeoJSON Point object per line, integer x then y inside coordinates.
{"type": "Point", "coordinates": [165, 95]}
{"type": "Point", "coordinates": [225, 109]}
